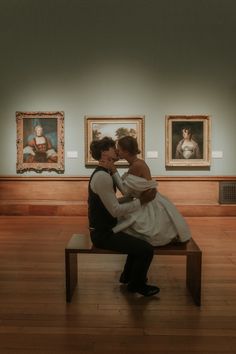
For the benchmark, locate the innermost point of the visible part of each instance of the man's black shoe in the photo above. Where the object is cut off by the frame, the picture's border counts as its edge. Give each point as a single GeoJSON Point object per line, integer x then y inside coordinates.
{"type": "Point", "coordinates": [145, 290]}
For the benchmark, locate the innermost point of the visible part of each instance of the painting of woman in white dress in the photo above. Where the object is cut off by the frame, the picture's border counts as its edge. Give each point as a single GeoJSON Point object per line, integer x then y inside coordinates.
{"type": "Point", "coordinates": [187, 147]}
{"type": "Point", "coordinates": [188, 141]}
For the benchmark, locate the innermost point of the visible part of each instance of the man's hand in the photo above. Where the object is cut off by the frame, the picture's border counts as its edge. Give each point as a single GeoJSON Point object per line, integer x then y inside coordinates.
{"type": "Point", "coordinates": [108, 158]}
{"type": "Point", "coordinates": [108, 163]}
{"type": "Point", "coordinates": [147, 196]}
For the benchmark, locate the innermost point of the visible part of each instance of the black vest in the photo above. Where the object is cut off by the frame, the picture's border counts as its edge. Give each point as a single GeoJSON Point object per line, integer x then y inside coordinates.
{"type": "Point", "coordinates": [99, 217]}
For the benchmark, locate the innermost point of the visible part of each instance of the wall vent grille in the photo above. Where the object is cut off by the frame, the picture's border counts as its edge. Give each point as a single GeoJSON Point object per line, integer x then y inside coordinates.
{"type": "Point", "coordinates": [227, 193]}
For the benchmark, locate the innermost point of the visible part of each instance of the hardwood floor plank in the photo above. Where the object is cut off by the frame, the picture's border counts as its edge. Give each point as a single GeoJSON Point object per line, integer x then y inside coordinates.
{"type": "Point", "coordinates": [103, 317]}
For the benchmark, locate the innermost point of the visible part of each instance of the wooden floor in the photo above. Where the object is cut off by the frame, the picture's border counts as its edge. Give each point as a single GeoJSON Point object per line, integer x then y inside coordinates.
{"type": "Point", "coordinates": [103, 317]}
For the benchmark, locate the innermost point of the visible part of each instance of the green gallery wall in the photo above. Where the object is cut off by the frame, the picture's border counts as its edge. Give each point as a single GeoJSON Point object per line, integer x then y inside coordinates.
{"type": "Point", "coordinates": [120, 57]}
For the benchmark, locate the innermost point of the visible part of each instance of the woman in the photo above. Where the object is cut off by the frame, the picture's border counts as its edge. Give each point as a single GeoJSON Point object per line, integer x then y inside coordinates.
{"type": "Point", "coordinates": [187, 148]}
{"type": "Point", "coordinates": [39, 149]}
{"type": "Point", "coordinates": [158, 222]}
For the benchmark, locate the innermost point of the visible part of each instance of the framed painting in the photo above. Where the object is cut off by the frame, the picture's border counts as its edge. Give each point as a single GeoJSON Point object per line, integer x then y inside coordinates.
{"type": "Point", "coordinates": [188, 140]}
{"type": "Point", "coordinates": [40, 141]}
{"type": "Point", "coordinates": [114, 127]}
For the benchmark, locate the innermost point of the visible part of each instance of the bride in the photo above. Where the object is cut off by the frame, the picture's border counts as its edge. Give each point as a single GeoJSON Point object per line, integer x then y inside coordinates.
{"type": "Point", "coordinates": [158, 222]}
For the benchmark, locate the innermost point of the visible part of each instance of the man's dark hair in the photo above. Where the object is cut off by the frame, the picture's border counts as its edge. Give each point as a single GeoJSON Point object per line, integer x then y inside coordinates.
{"type": "Point", "coordinates": [98, 146]}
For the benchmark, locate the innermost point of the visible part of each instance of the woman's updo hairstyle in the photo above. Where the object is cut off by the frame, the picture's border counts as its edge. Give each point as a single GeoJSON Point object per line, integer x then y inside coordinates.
{"type": "Point", "coordinates": [188, 129]}
{"type": "Point", "coordinates": [129, 143]}
{"type": "Point", "coordinates": [98, 146]}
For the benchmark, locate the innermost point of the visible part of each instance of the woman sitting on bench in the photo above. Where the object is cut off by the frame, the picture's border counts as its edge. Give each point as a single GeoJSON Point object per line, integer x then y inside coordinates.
{"type": "Point", "coordinates": [158, 222]}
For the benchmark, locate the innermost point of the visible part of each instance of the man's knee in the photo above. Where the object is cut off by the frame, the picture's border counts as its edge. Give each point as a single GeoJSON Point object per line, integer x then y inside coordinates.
{"type": "Point", "coordinates": [146, 249]}
{"type": "Point", "coordinates": [150, 250]}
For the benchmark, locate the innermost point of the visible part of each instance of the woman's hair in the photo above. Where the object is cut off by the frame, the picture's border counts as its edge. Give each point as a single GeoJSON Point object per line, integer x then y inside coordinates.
{"type": "Point", "coordinates": [189, 130]}
{"type": "Point", "coordinates": [38, 126]}
{"type": "Point", "coordinates": [98, 146]}
{"type": "Point", "coordinates": [130, 144]}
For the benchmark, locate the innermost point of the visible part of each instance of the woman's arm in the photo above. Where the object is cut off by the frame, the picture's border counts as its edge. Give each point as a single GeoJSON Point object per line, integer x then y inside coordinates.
{"type": "Point", "coordinates": [178, 152]}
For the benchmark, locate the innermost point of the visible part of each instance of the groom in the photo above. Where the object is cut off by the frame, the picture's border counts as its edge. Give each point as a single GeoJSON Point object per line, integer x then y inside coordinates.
{"type": "Point", "coordinates": [103, 210]}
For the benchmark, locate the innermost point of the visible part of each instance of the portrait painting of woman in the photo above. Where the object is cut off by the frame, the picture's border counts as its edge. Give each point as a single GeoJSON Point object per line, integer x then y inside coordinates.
{"type": "Point", "coordinates": [188, 140]}
{"type": "Point", "coordinates": [190, 143]}
{"type": "Point", "coordinates": [40, 141]}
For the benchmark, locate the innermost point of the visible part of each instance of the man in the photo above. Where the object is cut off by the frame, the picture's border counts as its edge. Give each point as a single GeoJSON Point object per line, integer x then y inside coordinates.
{"type": "Point", "coordinates": [104, 208]}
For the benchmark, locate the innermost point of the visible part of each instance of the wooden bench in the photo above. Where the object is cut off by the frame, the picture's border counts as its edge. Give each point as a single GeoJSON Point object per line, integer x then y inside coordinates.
{"type": "Point", "coordinates": [82, 244]}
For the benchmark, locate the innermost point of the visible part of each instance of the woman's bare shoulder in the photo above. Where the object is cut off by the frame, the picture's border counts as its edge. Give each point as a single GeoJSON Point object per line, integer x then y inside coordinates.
{"type": "Point", "coordinates": [140, 168]}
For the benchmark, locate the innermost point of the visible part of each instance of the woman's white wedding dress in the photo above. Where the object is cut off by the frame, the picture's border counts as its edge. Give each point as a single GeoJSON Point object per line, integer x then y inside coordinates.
{"type": "Point", "coordinates": [158, 222]}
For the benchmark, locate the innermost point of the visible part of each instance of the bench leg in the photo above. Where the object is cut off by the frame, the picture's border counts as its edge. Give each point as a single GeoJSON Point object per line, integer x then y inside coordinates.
{"type": "Point", "coordinates": [71, 274]}
{"type": "Point", "coordinates": [193, 275]}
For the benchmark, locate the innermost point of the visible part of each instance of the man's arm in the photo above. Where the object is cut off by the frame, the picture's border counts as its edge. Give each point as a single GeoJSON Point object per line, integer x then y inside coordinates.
{"type": "Point", "coordinates": [102, 185]}
{"type": "Point", "coordinates": [120, 183]}
{"type": "Point", "coordinates": [147, 196]}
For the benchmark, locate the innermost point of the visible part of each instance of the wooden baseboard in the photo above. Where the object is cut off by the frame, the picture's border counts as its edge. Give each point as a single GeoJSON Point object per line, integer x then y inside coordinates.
{"type": "Point", "coordinates": [67, 196]}
{"type": "Point", "coordinates": [66, 208]}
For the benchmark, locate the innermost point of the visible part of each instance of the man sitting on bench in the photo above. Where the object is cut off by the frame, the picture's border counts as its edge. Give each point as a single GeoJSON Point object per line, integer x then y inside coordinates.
{"type": "Point", "coordinates": [104, 208]}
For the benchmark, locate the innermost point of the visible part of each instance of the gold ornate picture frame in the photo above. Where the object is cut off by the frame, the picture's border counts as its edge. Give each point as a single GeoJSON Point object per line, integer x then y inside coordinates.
{"type": "Point", "coordinates": [40, 141]}
{"type": "Point", "coordinates": [96, 127]}
{"type": "Point", "coordinates": [188, 140]}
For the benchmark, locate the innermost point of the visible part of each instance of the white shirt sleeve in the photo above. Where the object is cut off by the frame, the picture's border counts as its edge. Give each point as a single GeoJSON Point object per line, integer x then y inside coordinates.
{"type": "Point", "coordinates": [119, 183]}
{"type": "Point", "coordinates": [102, 185]}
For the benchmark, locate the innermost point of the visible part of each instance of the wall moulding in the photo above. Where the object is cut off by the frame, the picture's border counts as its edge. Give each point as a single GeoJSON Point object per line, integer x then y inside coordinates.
{"type": "Point", "coordinates": [67, 195]}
